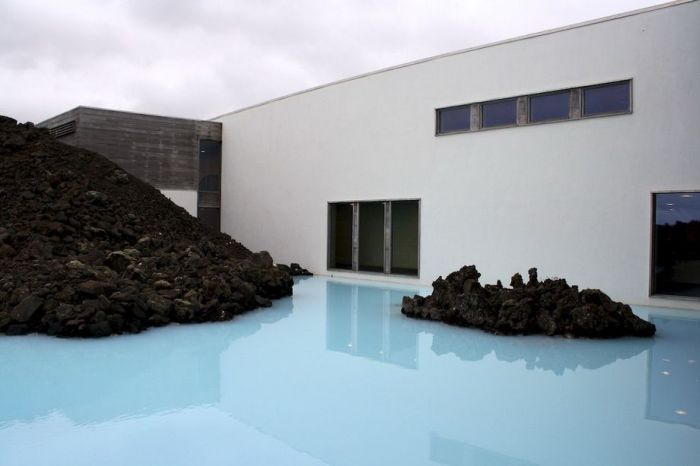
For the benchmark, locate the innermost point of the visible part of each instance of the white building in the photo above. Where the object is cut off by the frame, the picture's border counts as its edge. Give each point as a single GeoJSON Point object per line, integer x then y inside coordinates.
{"type": "Point", "coordinates": [566, 182]}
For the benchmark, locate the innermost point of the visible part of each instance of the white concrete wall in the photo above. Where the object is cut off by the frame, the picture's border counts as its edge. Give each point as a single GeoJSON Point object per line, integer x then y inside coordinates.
{"type": "Point", "coordinates": [571, 198]}
{"type": "Point", "coordinates": [187, 199]}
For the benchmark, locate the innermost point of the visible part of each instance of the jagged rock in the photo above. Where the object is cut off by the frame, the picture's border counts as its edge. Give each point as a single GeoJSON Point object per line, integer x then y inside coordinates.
{"type": "Point", "coordinates": [294, 269]}
{"type": "Point", "coordinates": [551, 307]}
{"type": "Point", "coordinates": [25, 310]}
{"type": "Point", "coordinates": [75, 265]}
{"type": "Point", "coordinates": [162, 284]}
{"type": "Point", "coordinates": [262, 302]}
{"type": "Point", "coordinates": [7, 251]}
{"type": "Point", "coordinates": [159, 305]}
{"type": "Point", "coordinates": [119, 260]}
{"type": "Point", "coordinates": [108, 253]}
{"type": "Point", "coordinates": [184, 310]}
{"type": "Point", "coordinates": [100, 329]}
{"type": "Point", "coordinates": [92, 288]}
{"type": "Point", "coordinates": [96, 198]}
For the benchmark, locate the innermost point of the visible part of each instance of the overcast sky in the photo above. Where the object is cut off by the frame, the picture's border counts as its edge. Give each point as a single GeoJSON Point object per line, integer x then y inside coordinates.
{"type": "Point", "coordinates": [198, 59]}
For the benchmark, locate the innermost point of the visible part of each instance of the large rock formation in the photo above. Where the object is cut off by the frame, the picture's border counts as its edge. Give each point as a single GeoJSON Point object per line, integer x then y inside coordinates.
{"type": "Point", "coordinates": [551, 307]}
{"type": "Point", "coordinates": [88, 250]}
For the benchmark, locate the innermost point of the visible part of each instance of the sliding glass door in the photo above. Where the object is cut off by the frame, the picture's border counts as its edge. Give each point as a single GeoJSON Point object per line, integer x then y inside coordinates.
{"type": "Point", "coordinates": [374, 236]}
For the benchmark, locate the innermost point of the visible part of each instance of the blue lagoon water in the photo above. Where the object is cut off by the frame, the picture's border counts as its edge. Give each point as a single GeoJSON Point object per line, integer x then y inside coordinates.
{"type": "Point", "coordinates": [336, 375]}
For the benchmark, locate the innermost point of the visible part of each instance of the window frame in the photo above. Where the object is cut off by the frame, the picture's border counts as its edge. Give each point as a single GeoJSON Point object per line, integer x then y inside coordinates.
{"type": "Point", "coordinates": [523, 117]}
{"type": "Point", "coordinates": [438, 111]}
{"type": "Point", "coordinates": [498, 101]}
{"type": "Point", "coordinates": [208, 198]}
{"type": "Point", "coordinates": [355, 240]}
{"type": "Point", "coordinates": [569, 115]}
{"type": "Point", "coordinates": [604, 114]}
{"type": "Point", "coordinates": [652, 294]}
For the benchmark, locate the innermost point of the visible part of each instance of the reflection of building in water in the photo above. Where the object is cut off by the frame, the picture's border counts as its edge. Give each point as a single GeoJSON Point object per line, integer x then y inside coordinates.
{"type": "Point", "coordinates": [456, 453]}
{"type": "Point", "coordinates": [673, 384]}
{"type": "Point", "coordinates": [360, 320]}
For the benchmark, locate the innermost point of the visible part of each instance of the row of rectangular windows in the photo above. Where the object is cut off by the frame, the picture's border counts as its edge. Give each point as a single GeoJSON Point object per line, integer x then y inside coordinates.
{"type": "Point", "coordinates": [568, 104]}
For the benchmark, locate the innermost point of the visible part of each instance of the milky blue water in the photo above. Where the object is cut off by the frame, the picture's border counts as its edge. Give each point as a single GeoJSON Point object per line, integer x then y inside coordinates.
{"type": "Point", "coordinates": [336, 375]}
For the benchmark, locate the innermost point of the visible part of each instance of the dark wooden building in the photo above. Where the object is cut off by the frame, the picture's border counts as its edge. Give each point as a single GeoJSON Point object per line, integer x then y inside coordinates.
{"type": "Point", "coordinates": [181, 157]}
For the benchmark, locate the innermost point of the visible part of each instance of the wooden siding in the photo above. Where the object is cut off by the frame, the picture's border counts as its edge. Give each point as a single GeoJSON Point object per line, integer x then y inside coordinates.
{"type": "Point", "coordinates": [62, 119]}
{"type": "Point", "coordinates": [162, 151]}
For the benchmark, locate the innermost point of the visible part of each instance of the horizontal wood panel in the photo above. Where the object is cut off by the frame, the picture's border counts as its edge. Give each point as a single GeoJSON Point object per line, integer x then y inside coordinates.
{"type": "Point", "coordinates": [160, 150]}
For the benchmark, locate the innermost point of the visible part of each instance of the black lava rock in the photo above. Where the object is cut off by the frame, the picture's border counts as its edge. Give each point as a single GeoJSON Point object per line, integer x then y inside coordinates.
{"type": "Point", "coordinates": [295, 270]}
{"type": "Point", "coordinates": [87, 250]}
{"type": "Point", "coordinates": [551, 307]}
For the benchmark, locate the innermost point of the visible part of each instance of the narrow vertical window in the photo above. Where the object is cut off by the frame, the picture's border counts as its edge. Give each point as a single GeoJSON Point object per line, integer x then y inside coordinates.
{"type": "Point", "coordinates": [371, 252]}
{"type": "Point", "coordinates": [209, 166]}
{"type": "Point", "coordinates": [340, 236]}
{"type": "Point", "coordinates": [404, 237]}
{"type": "Point", "coordinates": [676, 244]}
{"type": "Point", "coordinates": [209, 186]}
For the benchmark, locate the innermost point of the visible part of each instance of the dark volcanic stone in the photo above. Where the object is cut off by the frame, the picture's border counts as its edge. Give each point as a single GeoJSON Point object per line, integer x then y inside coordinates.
{"type": "Point", "coordinates": [92, 288]}
{"type": "Point", "coordinates": [551, 307]}
{"type": "Point", "coordinates": [17, 329]}
{"type": "Point", "coordinates": [100, 252]}
{"type": "Point", "coordinates": [294, 270]}
{"type": "Point", "coordinates": [100, 329]}
{"type": "Point", "coordinates": [25, 310]}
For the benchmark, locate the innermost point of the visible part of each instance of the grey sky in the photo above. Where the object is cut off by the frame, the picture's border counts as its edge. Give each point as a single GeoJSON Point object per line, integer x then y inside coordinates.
{"type": "Point", "coordinates": [199, 59]}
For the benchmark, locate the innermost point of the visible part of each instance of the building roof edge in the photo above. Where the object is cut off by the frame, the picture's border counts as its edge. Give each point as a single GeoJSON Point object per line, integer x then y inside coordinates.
{"type": "Point", "coordinates": [466, 50]}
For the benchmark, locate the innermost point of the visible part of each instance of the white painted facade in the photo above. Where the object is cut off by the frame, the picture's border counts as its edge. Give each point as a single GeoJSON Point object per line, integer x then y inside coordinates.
{"type": "Point", "coordinates": [185, 198]}
{"type": "Point", "coordinates": [572, 198]}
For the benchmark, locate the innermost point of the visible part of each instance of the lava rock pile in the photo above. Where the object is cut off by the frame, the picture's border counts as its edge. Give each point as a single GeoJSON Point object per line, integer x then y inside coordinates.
{"type": "Point", "coordinates": [87, 250]}
{"type": "Point", "coordinates": [295, 270]}
{"type": "Point", "coordinates": [551, 307]}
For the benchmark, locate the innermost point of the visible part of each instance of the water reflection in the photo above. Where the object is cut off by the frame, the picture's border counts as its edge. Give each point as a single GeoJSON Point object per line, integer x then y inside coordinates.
{"type": "Point", "coordinates": [673, 376]}
{"type": "Point", "coordinates": [539, 352]}
{"type": "Point", "coordinates": [93, 381]}
{"type": "Point", "coordinates": [367, 322]}
{"type": "Point", "coordinates": [272, 394]}
{"type": "Point", "coordinates": [455, 453]}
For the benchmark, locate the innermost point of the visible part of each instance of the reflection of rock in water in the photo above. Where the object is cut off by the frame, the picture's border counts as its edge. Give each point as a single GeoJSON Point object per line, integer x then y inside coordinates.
{"type": "Point", "coordinates": [556, 355]}
{"type": "Point", "coordinates": [95, 381]}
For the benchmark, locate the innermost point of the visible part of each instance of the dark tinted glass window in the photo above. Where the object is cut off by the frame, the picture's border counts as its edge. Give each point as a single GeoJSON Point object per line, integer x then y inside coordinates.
{"type": "Point", "coordinates": [500, 113]}
{"type": "Point", "coordinates": [340, 236]}
{"type": "Point", "coordinates": [371, 240]}
{"type": "Point", "coordinates": [404, 237]}
{"type": "Point", "coordinates": [454, 119]}
{"type": "Point", "coordinates": [610, 98]}
{"type": "Point", "coordinates": [209, 165]}
{"type": "Point", "coordinates": [676, 263]}
{"type": "Point", "coordinates": [547, 107]}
